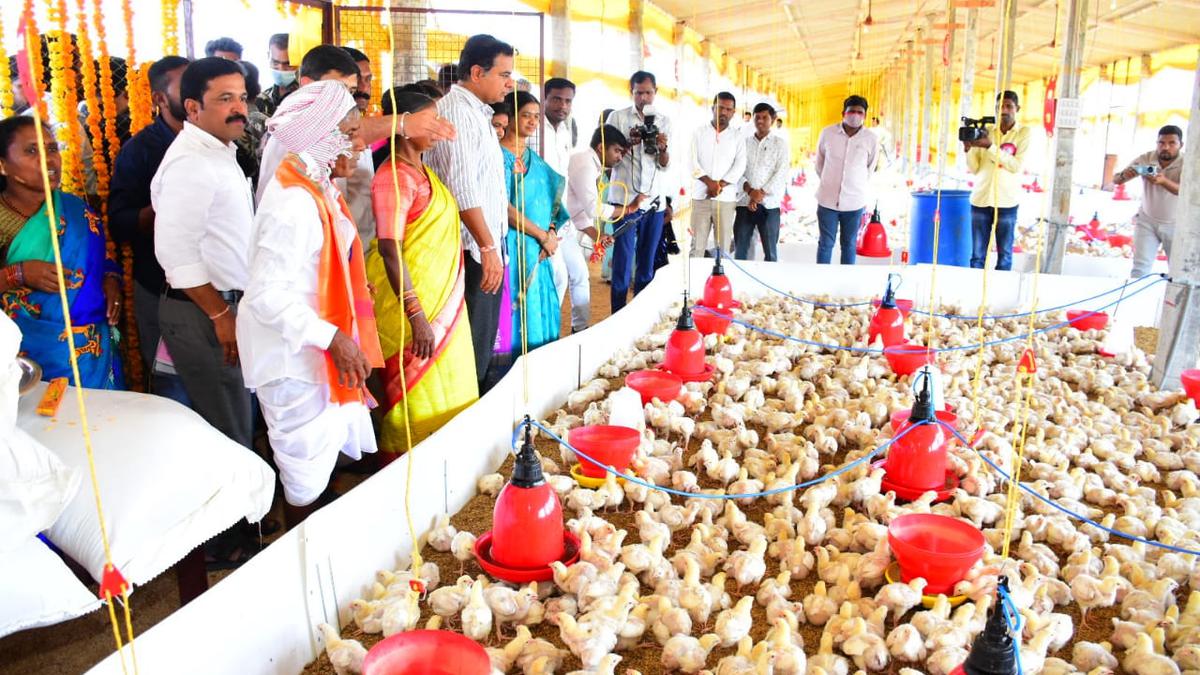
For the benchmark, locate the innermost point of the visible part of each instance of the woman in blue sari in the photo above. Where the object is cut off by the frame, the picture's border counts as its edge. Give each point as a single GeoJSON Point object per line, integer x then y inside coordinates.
{"type": "Point", "coordinates": [535, 204]}
{"type": "Point", "coordinates": [29, 283]}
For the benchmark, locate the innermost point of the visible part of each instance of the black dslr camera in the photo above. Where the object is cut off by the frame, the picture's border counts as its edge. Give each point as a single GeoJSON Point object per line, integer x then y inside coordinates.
{"type": "Point", "coordinates": [973, 130]}
{"type": "Point", "coordinates": [647, 131]}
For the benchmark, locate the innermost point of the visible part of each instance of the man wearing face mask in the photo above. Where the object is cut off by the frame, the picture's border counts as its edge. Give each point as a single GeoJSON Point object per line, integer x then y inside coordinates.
{"type": "Point", "coordinates": [283, 75]}
{"type": "Point", "coordinates": [846, 155]}
{"type": "Point", "coordinates": [1161, 170]}
{"type": "Point", "coordinates": [996, 161]}
{"type": "Point", "coordinates": [131, 216]}
{"type": "Point", "coordinates": [203, 218]}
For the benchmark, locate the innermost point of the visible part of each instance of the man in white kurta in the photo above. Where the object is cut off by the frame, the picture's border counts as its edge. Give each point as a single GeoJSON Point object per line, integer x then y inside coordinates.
{"type": "Point", "coordinates": [287, 338]}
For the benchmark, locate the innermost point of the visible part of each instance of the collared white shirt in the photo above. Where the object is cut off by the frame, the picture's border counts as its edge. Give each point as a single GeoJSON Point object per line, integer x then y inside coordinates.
{"type": "Point", "coordinates": [472, 165]}
{"type": "Point", "coordinates": [203, 213]}
{"type": "Point", "coordinates": [272, 154]}
{"type": "Point", "coordinates": [280, 332]}
{"type": "Point", "coordinates": [844, 164]}
{"type": "Point", "coordinates": [720, 155]}
{"type": "Point", "coordinates": [767, 164]}
{"type": "Point", "coordinates": [638, 172]}
{"type": "Point", "coordinates": [357, 191]}
{"type": "Point", "coordinates": [558, 145]}
{"type": "Point", "coordinates": [583, 192]}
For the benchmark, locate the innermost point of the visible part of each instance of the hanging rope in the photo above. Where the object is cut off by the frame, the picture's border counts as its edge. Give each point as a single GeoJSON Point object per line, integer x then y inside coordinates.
{"type": "Point", "coordinates": [73, 357]}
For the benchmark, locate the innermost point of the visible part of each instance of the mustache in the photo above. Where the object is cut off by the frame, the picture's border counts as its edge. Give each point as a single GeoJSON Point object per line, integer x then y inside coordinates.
{"type": "Point", "coordinates": [237, 117]}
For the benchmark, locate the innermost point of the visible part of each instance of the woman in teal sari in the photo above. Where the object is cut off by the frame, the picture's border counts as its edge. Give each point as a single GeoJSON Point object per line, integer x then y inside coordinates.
{"type": "Point", "coordinates": [29, 283]}
{"type": "Point", "coordinates": [535, 204]}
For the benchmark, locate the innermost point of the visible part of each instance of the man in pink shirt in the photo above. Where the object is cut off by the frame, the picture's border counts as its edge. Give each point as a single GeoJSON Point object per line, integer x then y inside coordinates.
{"type": "Point", "coordinates": [846, 154]}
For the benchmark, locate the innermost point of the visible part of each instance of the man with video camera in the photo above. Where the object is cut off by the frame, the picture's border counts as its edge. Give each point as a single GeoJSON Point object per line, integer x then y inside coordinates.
{"type": "Point", "coordinates": [638, 183]}
{"type": "Point", "coordinates": [995, 159]}
{"type": "Point", "coordinates": [1160, 170]}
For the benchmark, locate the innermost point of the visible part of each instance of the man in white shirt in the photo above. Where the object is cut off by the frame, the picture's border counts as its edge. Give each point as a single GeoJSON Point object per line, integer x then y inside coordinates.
{"type": "Point", "coordinates": [203, 214]}
{"type": "Point", "coordinates": [718, 162]}
{"type": "Point", "coordinates": [767, 162]}
{"type": "Point", "coordinates": [472, 167]}
{"type": "Point", "coordinates": [642, 172]}
{"type": "Point", "coordinates": [307, 329]}
{"type": "Point", "coordinates": [561, 136]}
{"type": "Point", "coordinates": [1155, 220]}
{"type": "Point", "coordinates": [582, 199]}
{"type": "Point", "coordinates": [846, 154]}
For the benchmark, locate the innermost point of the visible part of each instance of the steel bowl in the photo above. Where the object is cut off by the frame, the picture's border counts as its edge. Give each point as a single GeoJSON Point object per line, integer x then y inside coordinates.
{"type": "Point", "coordinates": [31, 374]}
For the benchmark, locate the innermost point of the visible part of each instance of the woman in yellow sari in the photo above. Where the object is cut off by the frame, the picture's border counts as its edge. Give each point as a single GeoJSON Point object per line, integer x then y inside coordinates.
{"type": "Point", "coordinates": [416, 268]}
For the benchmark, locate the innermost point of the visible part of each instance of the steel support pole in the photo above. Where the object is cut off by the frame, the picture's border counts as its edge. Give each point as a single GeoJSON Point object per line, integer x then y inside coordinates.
{"type": "Point", "coordinates": [1064, 140]}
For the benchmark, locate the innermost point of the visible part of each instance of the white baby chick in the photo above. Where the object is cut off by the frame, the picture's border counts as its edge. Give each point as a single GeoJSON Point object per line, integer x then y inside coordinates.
{"type": "Point", "coordinates": [733, 624]}
{"type": "Point", "coordinates": [900, 597]}
{"type": "Point", "coordinates": [345, 655]}
{"type": "Point", "coordinates": [748, 566]}
{"type": "Point", "coordinates": [401, 614]}
{"type": "Point", "coordinates": [905, 644]}
{"type": "Point", "coordinates": [503, 658]}
{"type": "Point", "coordinates": [688, 654]}
{"type": "Point", "coordinates": [477, 616]}
{"type": "Point", "coordinates": [463, 548]}
{"type": "Point", "coordinates": [491, 484]}
{"type": "Point", "coordinates": [442, 533]}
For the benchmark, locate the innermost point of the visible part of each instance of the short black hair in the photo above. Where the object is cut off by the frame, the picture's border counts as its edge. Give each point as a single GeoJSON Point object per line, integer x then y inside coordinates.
{"type": "Point", "coordinates": [200, 72]}
{"type": "Point", "coordinates": [524, 98]}
{"type": "Point", "coordinates": [1009, 95]}
{"type": "Point", "coordinates": [447, 75]}
{"type": "Point", "coordinates": [481, 50]}
{"type": "Point", "coordinates": [724, 96]}
{"type": "Point", "coordinates": [278, 40]}
{"type": "Point", "coordinates": [1171, 129]}
{"type": "Point", "coordinates": [428, 87]}
{"type": "Point", "coordinates": [609, 135]}
{"type": "Point", "coordinates": [253, 88]}
{"type": "Point", "coordinates": [557, 83]}
{"type": "Point", "coordinates": [641, 76]}
{"type": "Point", "coordinates": [409, 98]}
{"type": "Point", "coordinates": [356, 55]}
{"type": "Point", "coordinates": [223, 44]}
{"type": "Point", "coordinates": [855, 100]}
{"type": "Point", "coordinates": [502, 108]}
{"type": "Point", "coordinates": [160, 68]}
{"type": "Point", "coordinates": [324, 59]}
{"type": "Point", "coordinates": [765, 107]}
{"type": "Point", "coordinates": [604, 115]}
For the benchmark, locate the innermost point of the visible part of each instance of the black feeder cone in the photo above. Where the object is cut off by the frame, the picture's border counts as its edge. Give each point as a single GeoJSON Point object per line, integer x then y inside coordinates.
{"type": "Point", "coordinates": [527, 468]}
{"type": "Point", "coordinates": [992, 652]}
{"type": "Point", "coordinates": [685, 316]}
{"type": "Point", "coordinates": [888, 301]}
{"type": "Point", "coordinates": [717, 268]}
{"type": "Point", "coordinates": [875, 215]}
{"type": "Point", "coordinates": [922, 409]}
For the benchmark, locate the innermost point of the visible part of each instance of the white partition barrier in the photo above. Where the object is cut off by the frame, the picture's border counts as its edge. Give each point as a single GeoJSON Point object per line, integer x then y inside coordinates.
{"type": "Point", "coordinates": [262, 618]}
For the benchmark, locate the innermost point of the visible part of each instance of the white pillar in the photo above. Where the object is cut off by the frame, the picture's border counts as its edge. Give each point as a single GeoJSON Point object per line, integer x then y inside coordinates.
{"type": "Point", "coordinates": [1064, 139]}
{"type": "Point", "coordinates": [559, 57]}
{"type": "Point", "coordinates": [946, 138]}
{"type": "Point", "coordinates": [1179, 329]}
{"type": "Point", "coordinates": [967, 89]}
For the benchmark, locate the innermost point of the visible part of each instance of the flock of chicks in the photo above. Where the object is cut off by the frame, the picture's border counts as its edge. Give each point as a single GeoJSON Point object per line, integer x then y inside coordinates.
{"type": "Point", "coordinates": [702, 575]}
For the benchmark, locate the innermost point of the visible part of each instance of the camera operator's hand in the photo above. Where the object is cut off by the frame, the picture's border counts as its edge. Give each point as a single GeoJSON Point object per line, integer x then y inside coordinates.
{"type": "Point", "coordinates": [661, 142]}
{"type": "Point", "coordinates": [1157, 178]}
{"type": "Point", "coordinates": [635, 136]}
{"type": "Point", "coordinates": [983, 141]}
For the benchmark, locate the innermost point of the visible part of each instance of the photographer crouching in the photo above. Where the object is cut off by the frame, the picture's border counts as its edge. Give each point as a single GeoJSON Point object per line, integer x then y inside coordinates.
{"type": "Point", "coordinates": [1160, 170]}
{"type": "Point", "coordinates": [996, 161]}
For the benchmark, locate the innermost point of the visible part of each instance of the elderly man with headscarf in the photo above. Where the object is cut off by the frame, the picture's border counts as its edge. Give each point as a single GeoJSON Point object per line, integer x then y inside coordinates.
{"type": "Point", "coordinates": [307, 330]}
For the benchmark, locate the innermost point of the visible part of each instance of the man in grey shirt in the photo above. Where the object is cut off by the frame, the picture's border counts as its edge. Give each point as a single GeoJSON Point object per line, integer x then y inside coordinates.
{"type": "Point", "coordinates": [640, 173]}
{"type": "Point", "coordinates": [1160, 170]}
{"type": "Point", "coordinates": [472, 167]}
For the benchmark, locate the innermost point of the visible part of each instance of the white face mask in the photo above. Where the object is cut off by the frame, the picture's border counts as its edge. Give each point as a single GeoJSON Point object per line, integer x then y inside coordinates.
{"type": "Point", "coordinates": [853, 120]}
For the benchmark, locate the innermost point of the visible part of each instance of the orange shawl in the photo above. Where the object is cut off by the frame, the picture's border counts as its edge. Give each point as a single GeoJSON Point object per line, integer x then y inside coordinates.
{"type": "Point", "coordinates": [342, 295]}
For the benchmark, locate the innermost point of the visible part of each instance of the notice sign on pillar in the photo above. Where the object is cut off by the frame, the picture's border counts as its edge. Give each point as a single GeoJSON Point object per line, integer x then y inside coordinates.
{"type": "Point", "coordinates": [1066, 113]}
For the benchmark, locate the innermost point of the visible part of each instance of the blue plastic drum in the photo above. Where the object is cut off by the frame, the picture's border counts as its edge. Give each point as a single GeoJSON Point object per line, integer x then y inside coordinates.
{"type": "Point", "coordinates": [954, 240]}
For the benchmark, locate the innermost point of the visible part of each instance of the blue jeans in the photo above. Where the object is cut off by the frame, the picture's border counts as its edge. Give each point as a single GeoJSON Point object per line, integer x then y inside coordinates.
{"type": "Point", "coordinates": [981, 232]}
{"type": "Point", "coordinates": [766, 222]}
{"type": "Point", "coordinates": [637, 244]}
{"type": "Point", "coordinates": [830, 222]}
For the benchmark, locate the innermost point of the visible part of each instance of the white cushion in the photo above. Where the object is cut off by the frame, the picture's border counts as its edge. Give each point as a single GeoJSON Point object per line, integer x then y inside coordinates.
{"type": "Point", "coordinates": [39, 589]}
{"type": "Point", "coordinates": [169, 481]}
{"type": "Point", "coordinates": [35, 487]}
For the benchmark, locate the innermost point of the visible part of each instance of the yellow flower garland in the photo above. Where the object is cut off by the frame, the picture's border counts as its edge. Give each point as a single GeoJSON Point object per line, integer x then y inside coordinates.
{"type": "Point", "coordinates": [34, 56]}
{"type": "Point", "coordinates": [7, 103]}
{"type": "Point", "coordinates": [139, 97]}
{"type": "Point", "coordinates": [170, 21]}
{"type": "Point", "coordinates": [65, 92]}
{"type": "Point", "coordinates": [91, 88]}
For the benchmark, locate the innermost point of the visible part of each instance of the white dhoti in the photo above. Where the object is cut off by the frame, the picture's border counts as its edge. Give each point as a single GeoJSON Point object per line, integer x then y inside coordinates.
{"type": "Point", "coordinates": [307, 431]}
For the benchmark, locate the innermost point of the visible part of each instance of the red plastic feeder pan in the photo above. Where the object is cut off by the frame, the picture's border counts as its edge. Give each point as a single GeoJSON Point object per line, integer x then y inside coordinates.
{"type": "Point", "coordinates": [905, 306]}
{"type": "Point", "coordinates": [427, 652]}
{"type": "Point", "coordinates": [1082, 319]}
{"type": "Point", "coordinates": [515, 575]}
{"type": "Point", "coordinates": [609, 445]}
{"type": "Point", "coordinates": [655, 384]}
{"type": "Point", "coordinates": [906, 358]}
{"type": "Point", "coordinates": [939, 548]}
{"type": "Point", "coordinates": [1190, 379]}
{"type": "Point", "coordinates": [711, 320]}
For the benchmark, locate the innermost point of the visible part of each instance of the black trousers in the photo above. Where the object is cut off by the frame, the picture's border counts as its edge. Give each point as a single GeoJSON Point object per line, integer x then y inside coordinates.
{"type": "Point", "coordinates": [483, 309]}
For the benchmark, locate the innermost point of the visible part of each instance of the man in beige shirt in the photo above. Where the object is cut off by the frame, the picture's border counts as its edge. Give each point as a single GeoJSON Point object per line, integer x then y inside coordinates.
{"type": "Point", "coordinates": [1160, 170]}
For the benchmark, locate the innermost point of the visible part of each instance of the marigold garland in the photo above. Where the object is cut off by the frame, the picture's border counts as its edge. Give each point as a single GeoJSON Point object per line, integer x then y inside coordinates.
{"type": "Point", "coordinates": [65, 92]}
{"type": "Point", "coordinates": [7, 103]}
{"type": "Point", "coordinates": [108, 111]}
{"type": "Point", "coordinates": [34, 57]}
{"type": "Point", "coordinates": [91, 96]}
{"type": "Point", "coordinates": [139, 103]}
{"type": "Point", "coordinates": [170, 21]}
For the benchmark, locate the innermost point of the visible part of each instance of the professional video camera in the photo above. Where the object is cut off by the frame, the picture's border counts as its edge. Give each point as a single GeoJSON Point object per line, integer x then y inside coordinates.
{"type": "Point", "coordinates": [973, 130]}
{"type": "Point", "coordinates": [1145, 169]}
{"type": "Point", "coordinates": [647, 131]}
